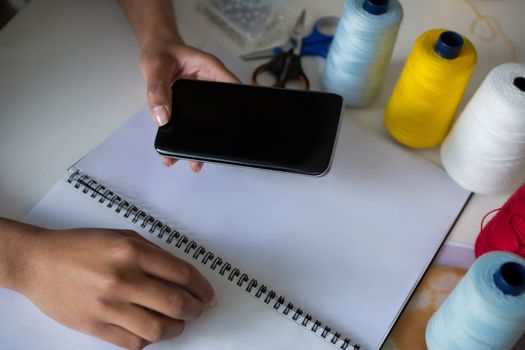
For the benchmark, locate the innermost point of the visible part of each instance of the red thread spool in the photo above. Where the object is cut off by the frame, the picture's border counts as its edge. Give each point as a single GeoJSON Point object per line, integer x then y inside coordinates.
{"type": "Point", "coordinates": [506, 230]}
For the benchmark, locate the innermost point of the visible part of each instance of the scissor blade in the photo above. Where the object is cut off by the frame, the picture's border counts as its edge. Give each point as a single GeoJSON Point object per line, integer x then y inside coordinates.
{"type": "Point", "coordinates": [296, 38]}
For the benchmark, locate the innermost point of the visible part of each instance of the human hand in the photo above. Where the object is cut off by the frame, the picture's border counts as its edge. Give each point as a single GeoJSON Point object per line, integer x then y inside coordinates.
{"type": "Point", "coordinates": [114, 285]}
{"type": "Point", "coordinates": [163, 62]}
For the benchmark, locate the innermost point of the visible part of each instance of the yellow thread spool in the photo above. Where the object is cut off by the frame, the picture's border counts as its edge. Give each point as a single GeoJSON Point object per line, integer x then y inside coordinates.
{"type": "Point", "coordinates": [421, 109]}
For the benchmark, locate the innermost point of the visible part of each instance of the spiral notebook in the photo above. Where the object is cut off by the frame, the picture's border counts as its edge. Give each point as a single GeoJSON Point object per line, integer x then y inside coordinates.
{"type": "Point", "coordinates": [296, 261]}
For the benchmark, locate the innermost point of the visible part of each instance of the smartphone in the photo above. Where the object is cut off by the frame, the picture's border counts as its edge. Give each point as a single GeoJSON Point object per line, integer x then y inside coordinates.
{"type": "Point", "coordinates": [270, 128]}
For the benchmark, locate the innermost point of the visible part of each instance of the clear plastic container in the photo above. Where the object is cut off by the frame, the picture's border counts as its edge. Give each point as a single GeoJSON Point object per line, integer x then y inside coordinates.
{"type": "Point", "coordinates": [247, 20]}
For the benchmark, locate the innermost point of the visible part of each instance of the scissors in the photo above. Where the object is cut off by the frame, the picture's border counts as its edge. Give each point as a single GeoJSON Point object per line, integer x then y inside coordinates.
{"type": "Point", "coordinates": [286, 62]}
{"type": "Point", "coordinates": [315, 44]}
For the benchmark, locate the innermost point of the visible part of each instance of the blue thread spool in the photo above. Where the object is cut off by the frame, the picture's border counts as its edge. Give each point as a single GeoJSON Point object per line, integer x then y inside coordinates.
{"type": "Point", "coordinates": [360, 52]}
{"type": "Point", "coordinates": [486, 310]}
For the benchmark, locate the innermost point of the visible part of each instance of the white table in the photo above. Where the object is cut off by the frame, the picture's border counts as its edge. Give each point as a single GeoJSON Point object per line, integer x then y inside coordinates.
{"type": "Point", "coordinates": [69, 78]}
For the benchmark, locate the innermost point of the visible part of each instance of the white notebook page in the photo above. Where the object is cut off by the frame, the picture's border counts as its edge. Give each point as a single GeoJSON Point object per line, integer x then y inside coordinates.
{"type": "Point", "coordinates": [347, 247]}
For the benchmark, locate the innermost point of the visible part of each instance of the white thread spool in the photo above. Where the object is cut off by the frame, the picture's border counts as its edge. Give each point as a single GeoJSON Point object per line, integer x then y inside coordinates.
{"type": "Point", "coordinates": [485, 150]}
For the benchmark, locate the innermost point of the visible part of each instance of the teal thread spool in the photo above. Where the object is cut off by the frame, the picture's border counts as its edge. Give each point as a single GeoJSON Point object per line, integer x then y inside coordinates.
{"type": "Point", "coordinates": [360, 52]}
{"type": "Point", "coordinates": [486, 310]}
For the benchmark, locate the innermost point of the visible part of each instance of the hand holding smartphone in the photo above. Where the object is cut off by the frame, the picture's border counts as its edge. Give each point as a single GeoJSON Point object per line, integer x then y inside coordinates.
{"type": "Point", "coordinates": [262, 127]}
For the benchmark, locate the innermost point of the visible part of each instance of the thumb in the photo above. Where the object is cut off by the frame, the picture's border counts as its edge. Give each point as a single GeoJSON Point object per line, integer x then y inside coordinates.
{"type": "Point", "coordinates": [158, 87]}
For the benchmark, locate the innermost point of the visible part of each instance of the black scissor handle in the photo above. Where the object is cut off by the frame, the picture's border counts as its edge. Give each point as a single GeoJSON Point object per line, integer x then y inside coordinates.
{"type": "Point", "coordinates": [285, 67]}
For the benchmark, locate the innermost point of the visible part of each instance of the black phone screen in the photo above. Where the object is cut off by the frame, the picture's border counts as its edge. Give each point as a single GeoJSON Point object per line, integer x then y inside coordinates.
{"type": "Point", "coordinates": [280, 129]}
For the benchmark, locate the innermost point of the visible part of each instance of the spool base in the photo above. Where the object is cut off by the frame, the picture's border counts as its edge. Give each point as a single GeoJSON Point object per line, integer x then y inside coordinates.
{"type": "Point", "coordinates": [410, 141]}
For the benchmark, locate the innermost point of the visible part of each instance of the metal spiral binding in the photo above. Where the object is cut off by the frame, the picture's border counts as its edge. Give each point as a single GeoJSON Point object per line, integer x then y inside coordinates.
{"type": "Point", "coordinates": [189, 247]}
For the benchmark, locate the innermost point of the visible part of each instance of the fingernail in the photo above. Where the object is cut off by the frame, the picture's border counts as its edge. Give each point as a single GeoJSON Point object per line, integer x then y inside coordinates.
{"type": "Point", "coordinates": [213, 302]}
{"type": "Point", "coordinates": [168, 162]}
{"type": "Point", "coordinates": [161, 115]}
{"type": "Point", "coordinates": [195, 166]}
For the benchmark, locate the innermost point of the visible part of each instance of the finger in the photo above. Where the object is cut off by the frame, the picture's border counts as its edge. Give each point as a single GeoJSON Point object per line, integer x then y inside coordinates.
{"type": "Point", "coordinates": [158, 75]}
{"type": "Point", "coordinates": [146, 324]}
{"type": "Point", "coordinates": [222, 73]}
{"type": "Point", "coordinates": [186, 275]}
{"type": "Point", "coordinates": [119, 336]}
{"type": "Point", "coordinates": [161, 264]}
{"type": "Point", "coordinates": [171, 301]}
{"type": "Point", "coordinates": [169, 161]}
{"type": "Point", "coordinates": [195, 166]}
{"type": "Point", "coordinates": [134, 235]}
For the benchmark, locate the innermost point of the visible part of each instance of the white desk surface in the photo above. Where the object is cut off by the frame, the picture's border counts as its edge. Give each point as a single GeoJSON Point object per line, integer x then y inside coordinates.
{"type": "Point", "coordinates": [69, 77]}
